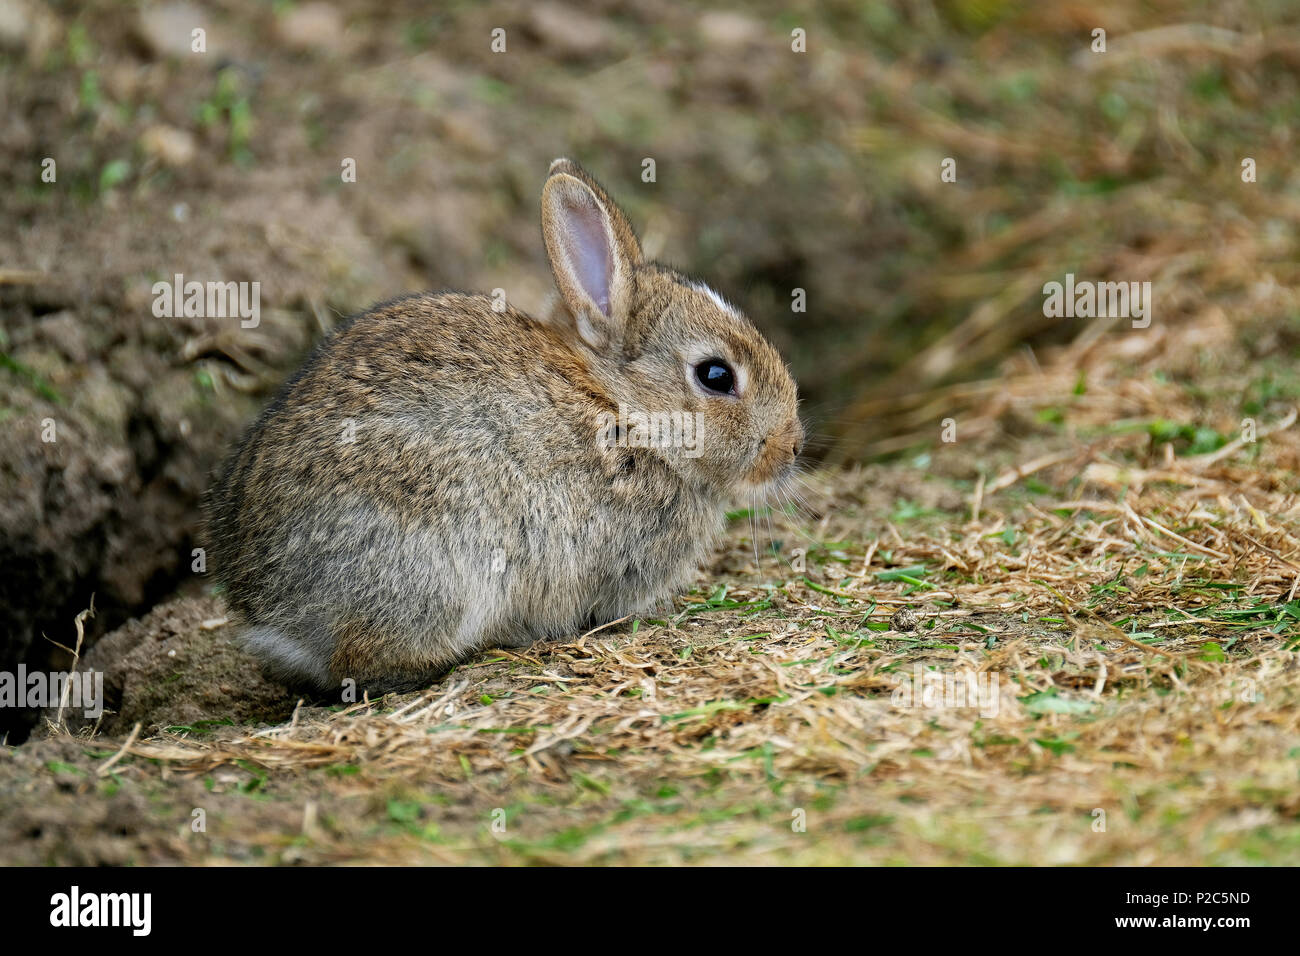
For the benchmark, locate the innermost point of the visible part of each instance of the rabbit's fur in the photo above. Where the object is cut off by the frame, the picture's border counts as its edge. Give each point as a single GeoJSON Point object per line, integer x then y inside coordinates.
{"type": "Point", "coordinates": [431, 482]}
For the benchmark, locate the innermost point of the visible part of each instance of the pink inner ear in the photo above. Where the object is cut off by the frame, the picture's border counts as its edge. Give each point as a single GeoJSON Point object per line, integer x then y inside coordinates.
{"type": "Point", "coordinates": [590, 252]}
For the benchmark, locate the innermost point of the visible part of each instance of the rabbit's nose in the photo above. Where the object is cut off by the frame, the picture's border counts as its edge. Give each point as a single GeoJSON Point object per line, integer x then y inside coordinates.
{"type": "Point", "coordinates": [796, 438]}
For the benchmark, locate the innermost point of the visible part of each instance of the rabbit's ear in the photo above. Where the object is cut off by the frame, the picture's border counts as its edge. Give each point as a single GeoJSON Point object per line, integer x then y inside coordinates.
{"type": "Point", "coordinates": [592, 250]}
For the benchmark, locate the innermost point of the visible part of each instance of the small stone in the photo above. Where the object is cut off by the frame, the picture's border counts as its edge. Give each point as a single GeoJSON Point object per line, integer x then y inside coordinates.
{"type": "Point", "coordinates": [27, 25]}
{"type": "Point", "coordinates": [726, 28]}
{"type": "Point", "coordinates": [568, 31]}
{"type": "Point", "coordinates": [168, 30]}
{"type": "Point", "coordinates": [313, 26]}
{"type": "Point", "coordinates": [15, 21]}
{"type": "Point", "coordinates": [905, 619]}
{"type": "Point", "coordinates": [113, 466]}
{"type": "Point", "coordinates": [169, 145]}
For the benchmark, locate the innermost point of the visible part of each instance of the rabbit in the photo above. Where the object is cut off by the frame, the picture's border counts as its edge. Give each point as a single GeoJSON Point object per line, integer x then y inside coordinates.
{"type": "Point", "coordinates": [447, 474]}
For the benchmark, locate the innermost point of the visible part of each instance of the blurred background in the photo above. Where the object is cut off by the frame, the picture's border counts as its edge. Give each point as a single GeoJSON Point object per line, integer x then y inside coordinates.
{"type": "Point", "coordinates": [774, 171]}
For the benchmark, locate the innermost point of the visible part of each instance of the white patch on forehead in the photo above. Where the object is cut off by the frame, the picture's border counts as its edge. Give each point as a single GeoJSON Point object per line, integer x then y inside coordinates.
{"type": "Point", "coordinates": [718, 300]}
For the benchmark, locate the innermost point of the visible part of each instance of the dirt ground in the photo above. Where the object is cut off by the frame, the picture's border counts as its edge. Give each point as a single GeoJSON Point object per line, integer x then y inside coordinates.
{"type": "Point", "coordinates": [1122, 604]}
{"type": "Point", "coordinates": [1104, 542]}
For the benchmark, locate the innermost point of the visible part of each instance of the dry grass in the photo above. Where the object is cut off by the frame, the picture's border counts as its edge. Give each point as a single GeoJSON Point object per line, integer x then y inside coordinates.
{"type": "Point", "coordinates": [1123, 165]}
{"type": "Point", "coordinates": [1135, 608]}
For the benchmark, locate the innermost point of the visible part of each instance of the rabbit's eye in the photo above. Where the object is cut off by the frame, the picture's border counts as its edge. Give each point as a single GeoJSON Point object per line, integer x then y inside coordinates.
{"type": "Point", "coordinates": [716, 376]}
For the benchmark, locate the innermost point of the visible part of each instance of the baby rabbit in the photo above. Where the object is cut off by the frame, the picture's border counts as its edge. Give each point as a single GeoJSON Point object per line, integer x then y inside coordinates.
{"type": "Point", "coordinates": [447, 474]}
